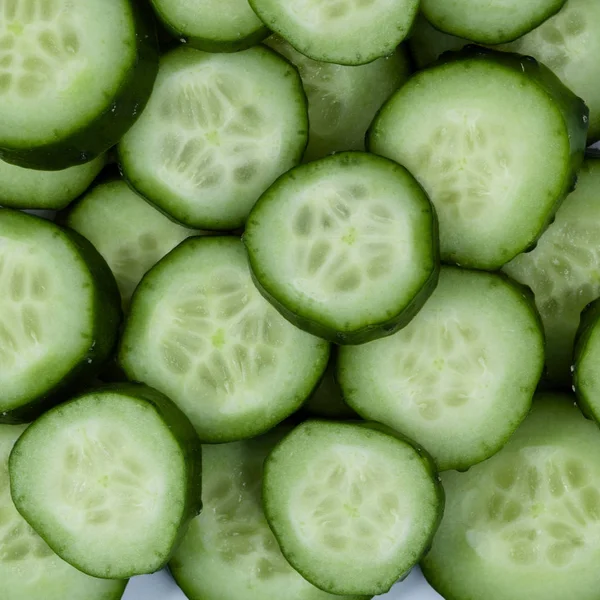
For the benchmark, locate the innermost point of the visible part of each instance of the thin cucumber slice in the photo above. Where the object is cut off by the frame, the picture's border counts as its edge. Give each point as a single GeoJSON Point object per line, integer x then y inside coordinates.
{"type": "Point", "coordinates": [29, 570]}
{"type": "Point", "coordinates": [47, 190]}
{"type": "Point", "coordinates": [353, 507]}
{"type": "Point", "coordinates": [491, 22]}
{"type": "Point", "coordinates": [73, 78]}
{"type": "Point", "coordinates": [200, 332]}
{"type": "Point", "coordinates": [345, 32]}
{"type": "Point", "coordinates": [343, 100]}
{"type": "Point", "coordinates": [470, 129]}
{"type": "Point", "coordinates": [229, 550]}
{"type": "Point", "coordinates": [110, 480]}
{"type": "Point", "coordinates": [59, 313]}
{"type": "Point", "coordinates": [564, 270]}
{"type": "Point", "coordinates": [525, 525]}
{"type": "Point", "coordinates": [218, 130]}
{"type": "Point", "coordinates": [586, 371]}
{"type": "Point", "coordinates": [345, 247]}
{"type": "Point", "coordinates": [459, 378]}
{"type": "Point", "coordinates": [212, 25]}
{"type": "Point", "coordinates": [130, 234]}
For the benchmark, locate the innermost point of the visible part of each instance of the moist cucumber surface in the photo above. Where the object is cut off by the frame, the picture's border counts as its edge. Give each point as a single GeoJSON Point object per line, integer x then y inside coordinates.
{"type": "Point", "coordinates": [217, 131]}
{"type": "Point", "coordinates": [330, 232]}
{"type": "Point", "coordinates": [131, 235]}
{"type": "Point", "coordinates": [59, 313]}
{"type": "Point", "coordinates": [564, 270]}
{"type": "Point", "coordinates": [345, 32]}
{"type": "Point", "coordinates": [523, 525]}
{"type": "Point", "coordinates": [586, 370]}
{"type": "Point", "coordinates": [230, 551]}
{"type": "Point", "coordinates": [73, 76]}
{"type": "Point", "coordinates": [200, 332]}
{"type": "Point", "coordinates": [489, 22]}
{"type": "Point", "coordinates": [352, 506]}
{"type": "Point", "coordinates": [342, 100]}
{"type": "Point", "coordinates": [469, 129]}
{"type": "Point", "coordinates": [29, 570]}
{"type": "Point", "coordinates": [110, 480]}
{"type": "Point", "coordinates": [459, 378]}
{"type": "Point", "coordinates": [51, 190]}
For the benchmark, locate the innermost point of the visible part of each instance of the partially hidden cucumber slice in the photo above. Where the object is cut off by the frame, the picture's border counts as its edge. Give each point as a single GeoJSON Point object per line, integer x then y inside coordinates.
{"type": "Point", "coordinates": [200, 332]}
{"type": "Point", "coordinates": [73, 78]}
{"type": "Point", "coordinates": [229, 550]}
{"type": "Point", "coordinates": [586, 361]}
{"type": "Point", "coordinates": [130, 234]}
{"type": "Point", "coordinates": [59, 313]}
{"type": "Point", "coordinates": [345, 247]}
{"type": "Point", "coordinates": [342, 100]}
{"type": "Point", "coordinates": [469, 129]}
{"type": "Point", "coordinates": [525, 524]}
{"type": "Point", "coordinates": [218, 130]}
{"type": "Point", "coordinates": [48, 190]}
{"type": "Point", "coordinates": [110, 480]}
{"type": "Point", "coordinates": [459, 378]}
{"type": "Point", "coordinates": [212, 25]}
{"type": "Point", "coordinates": [563, 270]}
{"type": "Point", "coordinates": [345, 32]}
{"type": "Point", "coordinates": [353, 506]}
{"type": "Point", "coordinates": [29, 570]}
{"type": "Point", "coordinates": [491, 22]}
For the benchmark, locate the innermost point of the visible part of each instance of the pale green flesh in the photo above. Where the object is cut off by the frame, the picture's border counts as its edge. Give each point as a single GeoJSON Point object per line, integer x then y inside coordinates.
{"type": "Point", "coordinates": [129, 233]}
{"type": "Point", "coordinates": [459, 377]}
{"type": "Point", "coordinates": [29, 570]}
{"type": "Point", "coordinates": [202, 334]}
{"type": "Point", "coordinates": [343, 100]}
{"type": "Point", "coordinates": [229, 551]}
{"type": "Point", "coordinates": [525, 525]}
{"type": "Point", "coordinates": [564, 269]}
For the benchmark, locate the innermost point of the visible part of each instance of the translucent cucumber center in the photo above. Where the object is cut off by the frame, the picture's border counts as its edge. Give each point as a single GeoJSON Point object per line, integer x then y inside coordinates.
{"type": "Point", "coordinates": [39, 47]}
{"type": "Point", "coordinates": [348, 501]}
{"type": "Point", "coordinates": [538, 506]}
{"type": "Point", "coordinates": [319, 13]}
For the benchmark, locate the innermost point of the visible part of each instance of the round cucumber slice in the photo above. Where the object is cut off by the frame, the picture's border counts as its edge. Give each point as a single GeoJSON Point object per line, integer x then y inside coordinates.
{"type": "Point", "coordinates": [328, 233]}
{"type": "Point", "coordinates": [59, 313]}
{"type": "Point", "coordinates": [201, 333]}
{"type": "Point", "coordinates": [110, 480]}
{"type": "Point", "coordinates": [469, 129]}
{"type": "Point", "coordinates": [218, 130]}
{"type": "Point", "coordinates": [73, 78]}
{"type": "Point", "coordinates": [352, 506]}
{"type": "Point", "coordinates": [586, 380]}
{"type": "Point", "coordinates": [525, 524]}
{"type": "Point", "coordinates": [229, 550]}
{"type": "Point", "coordinates": [29, 570]}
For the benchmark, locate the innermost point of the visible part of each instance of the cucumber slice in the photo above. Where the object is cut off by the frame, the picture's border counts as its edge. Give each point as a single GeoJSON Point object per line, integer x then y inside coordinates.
{"type": "Point", "coordinates": [49, 190]}
{"type": "Point", "coordinates": [330, 232]}
{"type": "Point", "coordinates": [29, 570]}
{"type": "Point", "coordinates": [569, 44]}
{"type": "Point", "coordinates": [218, 130]}
{"type": "Point", "coordinates": [524, 525]}
{"type": "Point", "coordinates": [200, 332]}
{"type": "Point", "coordinates": [586, 382]}
{"type": "Point", "coordinates": [73, 77]}
{"type": "Point", "coordinates": [59, 313]}
{"type": "Point", "coordinates": [564, 270]}
{"type": "Point", "coordinates": [212, 25]}
{"type": "Point", "coordinates": [342, 100]}
{"type": "Point", "coordinates": [460, 377]}
{"type": "Point", "coordinates": [470, 129]}
{"type": "Point", "coordinates": [353, 507]}
{"type": "Point", "coordinates": [129, 233]}
{"type": "Point", "coordinates": [491, 22]}
{"type": "Point", "coordinates": [345, 32]}
{"type": "Point", "coordinates": [110, 480]}
{"type": "Point", "coordinates": [229, 550]}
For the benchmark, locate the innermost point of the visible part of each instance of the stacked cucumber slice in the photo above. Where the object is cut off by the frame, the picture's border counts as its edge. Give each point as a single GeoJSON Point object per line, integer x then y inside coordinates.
{"type": "Point", "coordinates": [343, 297]}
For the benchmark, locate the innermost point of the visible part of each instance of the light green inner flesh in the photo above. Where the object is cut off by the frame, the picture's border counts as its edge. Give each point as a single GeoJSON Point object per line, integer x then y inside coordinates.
{"type": "Point", "coordinates": [537, 506]}
{"type": "Point", "coordinates": [321, 14]}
